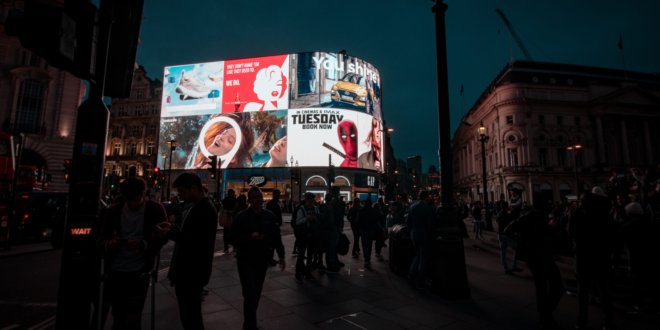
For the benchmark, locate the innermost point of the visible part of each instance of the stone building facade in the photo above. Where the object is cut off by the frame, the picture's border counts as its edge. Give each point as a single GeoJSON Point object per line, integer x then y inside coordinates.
{"type": "Point", "coordinates": [39, 102]}
{"type": "Point", "coordinates": [537, 113]}
{"type": "Point", "coordinates": [132, 141]}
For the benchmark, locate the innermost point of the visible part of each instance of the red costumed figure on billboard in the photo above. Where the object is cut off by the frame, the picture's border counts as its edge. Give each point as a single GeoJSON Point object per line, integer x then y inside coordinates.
{"type": "Point", "coordinates": [347, 132]}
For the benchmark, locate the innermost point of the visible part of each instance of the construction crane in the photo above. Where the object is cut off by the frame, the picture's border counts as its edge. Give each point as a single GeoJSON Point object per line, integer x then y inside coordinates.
{"type": "Point", "coordinates": [513, 33]}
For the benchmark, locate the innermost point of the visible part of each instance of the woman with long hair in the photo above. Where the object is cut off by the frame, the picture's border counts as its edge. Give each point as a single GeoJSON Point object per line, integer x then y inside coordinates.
{"type": "Point", "coordinates": [228, 136]}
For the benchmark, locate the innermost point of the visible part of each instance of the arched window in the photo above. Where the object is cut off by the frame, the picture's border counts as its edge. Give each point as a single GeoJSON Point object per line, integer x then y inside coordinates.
{"type": "Point", "coordinates": [316, 181]}
{"type": "Point", "coordinates": [29, 106]}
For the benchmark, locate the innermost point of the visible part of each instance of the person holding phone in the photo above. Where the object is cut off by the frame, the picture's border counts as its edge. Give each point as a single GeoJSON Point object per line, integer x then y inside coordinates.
{"type": "Point", "coordinates": [132, 233]}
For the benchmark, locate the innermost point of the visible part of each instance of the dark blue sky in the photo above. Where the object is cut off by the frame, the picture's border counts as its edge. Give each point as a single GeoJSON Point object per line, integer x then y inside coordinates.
{"type": "Point", "coordinates": [398, 37]}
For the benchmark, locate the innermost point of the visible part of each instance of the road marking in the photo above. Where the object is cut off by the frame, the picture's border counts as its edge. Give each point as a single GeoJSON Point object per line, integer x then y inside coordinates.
{"type": "Point", "coordinates": [43, 324]}
{"type": "Point", "coordinates": [27, 304]}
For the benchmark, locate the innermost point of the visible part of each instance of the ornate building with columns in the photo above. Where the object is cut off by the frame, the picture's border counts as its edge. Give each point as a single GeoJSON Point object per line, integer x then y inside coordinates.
{"type": "Point", "coordinates": [132, 142]}
{"type": "Point", "coordinates": [555, 127]}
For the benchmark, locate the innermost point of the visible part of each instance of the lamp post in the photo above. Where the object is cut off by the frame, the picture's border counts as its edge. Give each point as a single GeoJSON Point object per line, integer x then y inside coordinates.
{"type": "Point", "coordinates": [575, 149]}
{"type": "Point", "coordinates": [172, 144]}
{"type": "Point", "coordinates": [483, 137]}
{"type": "Point", "coordinates": [291, 184]}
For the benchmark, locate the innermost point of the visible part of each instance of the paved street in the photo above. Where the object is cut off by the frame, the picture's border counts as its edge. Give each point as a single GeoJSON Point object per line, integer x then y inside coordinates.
{"type": "Point", "coordinates": [353, 299]}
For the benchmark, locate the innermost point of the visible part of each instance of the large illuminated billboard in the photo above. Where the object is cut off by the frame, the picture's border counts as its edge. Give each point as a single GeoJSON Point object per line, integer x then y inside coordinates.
{"type": "Point", "coordinates": [309, 108]}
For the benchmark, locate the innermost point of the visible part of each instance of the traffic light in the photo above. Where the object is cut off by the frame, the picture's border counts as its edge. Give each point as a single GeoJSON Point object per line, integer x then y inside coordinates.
{"type": "Point", "coordinates": [214, 166]}
{"type": "Point", "coordinates": [66, 167]}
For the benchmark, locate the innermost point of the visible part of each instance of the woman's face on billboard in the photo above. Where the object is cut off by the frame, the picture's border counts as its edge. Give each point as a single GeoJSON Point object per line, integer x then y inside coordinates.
{"type": "Point", "coordinates": [223, 142]}
{"type": "Point", "coordinates": [278, 151]}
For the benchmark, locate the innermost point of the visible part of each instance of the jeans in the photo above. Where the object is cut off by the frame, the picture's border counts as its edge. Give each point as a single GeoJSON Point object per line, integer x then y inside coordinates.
{"type": "Point", "coordinates": [505, 243]}
{"type": "Point", "coordinates": [252, 273]}
{"type": "Point", "coordinates": [189, 298]}
{"type": "Point", "coordinates": [126, 293]}
{"type": "Point", "coordinates": [419, 266]}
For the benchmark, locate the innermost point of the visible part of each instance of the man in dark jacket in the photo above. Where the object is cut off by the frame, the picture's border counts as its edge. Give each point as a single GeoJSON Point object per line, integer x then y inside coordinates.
{"type": "Point", "coordinates": [131, 238]}
{"type": "Point", "coordinates": [256, 233]}
{"type": "Point", "coordinates": [535, 248]}
{"type": "Point", "coordinates": [591, 229]}
{"type": "Point", "coordinates": [419, 221]}
{"type": "Point", "coordinates": [190, 269]}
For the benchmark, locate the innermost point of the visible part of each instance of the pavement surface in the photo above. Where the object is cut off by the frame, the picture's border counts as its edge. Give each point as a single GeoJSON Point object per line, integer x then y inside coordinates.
{"type": "Point", "coordinates": [358, 298]}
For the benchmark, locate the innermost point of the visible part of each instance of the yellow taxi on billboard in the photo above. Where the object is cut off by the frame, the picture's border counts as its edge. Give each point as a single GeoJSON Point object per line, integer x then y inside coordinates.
{"type": "Point", "coordinates": [351, 89]}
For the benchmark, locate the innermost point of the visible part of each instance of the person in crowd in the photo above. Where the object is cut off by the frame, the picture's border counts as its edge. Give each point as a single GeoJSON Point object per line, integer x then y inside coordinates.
{"type": "Point", "coordinates": [395, 215]}
{"type": "Point", "coordinates": [352, 216]}
{"type": "Point", "coordinates": [534, 246]}
{"type": "Point", "coordinates": [220, 138]}
{"type": "Point", "coordinates": [192, 259]}
{"type": "Point", "coordinates": [367, 221]}
{"type": "Point", "coordinates": [639, 236]}
{"type": "Point", "coordinates": [294, 227]}
{"type": "Point", "coordinates": [131, 237]}
{"type": "Point", "coordinates": [380, 235]}
{"type": "Point", "coordinates": [255, 233]}
{"type": "Point", "coordinates": [478, 219]}
{"type": "Point", "coordinates": [228, 205]}
{"type": "Point", "coordinates": [307, 224]}
{"type": "Point", "coordinates": [274, 206]}
{"type": "Point", "coordinates": [241, 204]}
{"type": "Point", "coordinates": [503, 220]}
{"type": "Point", "coordinates": [420, 218]}
{"type": "Point", "coordinates": [329, 234]}
{"type": "Point", "coordinates": [591, 229]}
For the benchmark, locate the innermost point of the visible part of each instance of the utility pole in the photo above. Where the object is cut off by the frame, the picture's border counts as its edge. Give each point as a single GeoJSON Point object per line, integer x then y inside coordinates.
{"type": "Point", "coordinates": [448, 257]}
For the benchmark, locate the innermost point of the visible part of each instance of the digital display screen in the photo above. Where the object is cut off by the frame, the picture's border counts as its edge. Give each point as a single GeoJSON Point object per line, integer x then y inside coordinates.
{"type": "Point", "coordinates": [302, 109]}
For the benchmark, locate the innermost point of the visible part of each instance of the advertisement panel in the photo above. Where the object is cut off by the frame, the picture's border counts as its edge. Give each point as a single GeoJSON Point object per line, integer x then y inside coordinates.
{"type": "Point", "coordinates": [240, 140]}
{"type": "Point", "coordinates": [350, 138]}
{"type": "Point", "coordinates": [336, 81]}
{"type": "Point", "coordinates": [256, 84]}
{"type": "Point", "coordinates": [193, 89]}
{"type": "Point", "coordinates": [267, 111]}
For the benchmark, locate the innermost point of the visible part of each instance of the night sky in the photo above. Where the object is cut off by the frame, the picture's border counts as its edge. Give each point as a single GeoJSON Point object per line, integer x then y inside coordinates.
{"type": "Point", "coordinates": [398, 37]}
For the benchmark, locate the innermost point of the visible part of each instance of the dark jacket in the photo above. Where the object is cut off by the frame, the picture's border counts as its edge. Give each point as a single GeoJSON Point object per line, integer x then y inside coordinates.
{"type": "Point", "coordinates": [195, 243]}
{"type": "Point", "coordinates": [419, 221]}
{"type": "Point", "coordinates": [264, 222]}
{"type": "Point", "coordinates": [274, 206]}
{"type": "Point", "coordinates": [154, 213]}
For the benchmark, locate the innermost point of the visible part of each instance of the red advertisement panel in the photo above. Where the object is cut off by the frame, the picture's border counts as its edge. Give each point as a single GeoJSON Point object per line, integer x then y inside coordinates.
{"type": "Point", "coordinates": [256, 84]}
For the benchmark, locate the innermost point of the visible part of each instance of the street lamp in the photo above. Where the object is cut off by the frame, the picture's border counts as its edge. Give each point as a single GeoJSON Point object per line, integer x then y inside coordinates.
{"type": "Point", "coordinates": [172, 144]}
{"type": "Point", "coordinates": [575, 149]}
{"type": "Point", "coordinates": [483, 137]}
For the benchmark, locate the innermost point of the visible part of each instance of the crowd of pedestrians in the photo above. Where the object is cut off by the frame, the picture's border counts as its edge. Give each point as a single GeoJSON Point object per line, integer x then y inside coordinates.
{"type": "Point", "coordinates": [610, 227]}
{"type": "Point", "coordinates": [608, 230]}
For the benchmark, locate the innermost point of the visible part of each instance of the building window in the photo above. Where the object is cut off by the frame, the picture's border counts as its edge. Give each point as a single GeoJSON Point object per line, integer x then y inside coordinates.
{"type": "Point", "coordinates": [543, 157]}
{"type": "Point", "coordinates": [152, 129]}
{"type": "Point", "coordinates": [560, 120]}
{"type": "Point", "coordinates": [541, 119]}
{"type": "Point", "coordinates": [139, 93]}
{"type": "Point", "coordinates": [513, 157]}
{"type": "Point", "coordinates": [116, 131]}
{"type": "Point", "coordinates": [509, 120]}
{"type": "Point", "coordinates": [136, 130]}
{"type": "Point", "coordinates": [151, 148]}
{"type": "Point", "coordinates": [116, 149]}
{"type": "Point", "coordinates": [561, 157]}
{"type": "Point", "coordinates": [133, 149]}
{"type": "Point", "coordinates": [29, 106]}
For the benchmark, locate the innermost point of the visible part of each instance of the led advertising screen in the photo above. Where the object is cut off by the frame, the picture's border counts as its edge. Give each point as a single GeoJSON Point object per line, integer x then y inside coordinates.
{"type": "Point", "coordinates": [306, 108]}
